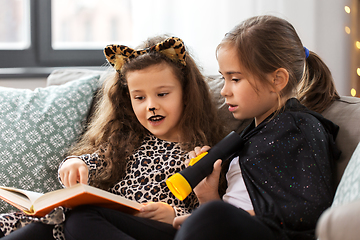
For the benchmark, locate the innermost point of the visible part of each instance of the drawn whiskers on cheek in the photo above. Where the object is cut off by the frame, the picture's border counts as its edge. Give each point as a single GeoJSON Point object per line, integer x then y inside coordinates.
{"type": "Point", "coordinates": [156, 118]}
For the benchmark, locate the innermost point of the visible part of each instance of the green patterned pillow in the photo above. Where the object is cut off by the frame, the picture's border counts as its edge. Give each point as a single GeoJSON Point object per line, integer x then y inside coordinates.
{"type": "Point", "coordinates": [349, 186]}
{"type": "Point", "coordinates": [36, 129]}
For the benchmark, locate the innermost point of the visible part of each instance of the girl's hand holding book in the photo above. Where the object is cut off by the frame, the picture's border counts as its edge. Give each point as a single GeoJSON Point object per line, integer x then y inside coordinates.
{"type": "Point", "coordinates": [159, 211]}
{"type": "Point", "coordinates": [73, 171]}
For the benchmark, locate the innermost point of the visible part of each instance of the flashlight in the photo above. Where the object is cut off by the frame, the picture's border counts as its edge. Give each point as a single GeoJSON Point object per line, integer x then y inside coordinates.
{"type": "Point", "coordinates": [182, 183]}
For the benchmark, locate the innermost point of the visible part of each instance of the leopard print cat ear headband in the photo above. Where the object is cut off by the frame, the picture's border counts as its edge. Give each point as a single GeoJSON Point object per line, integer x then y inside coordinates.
{"type": "Point", "coordinates": [172, 47]}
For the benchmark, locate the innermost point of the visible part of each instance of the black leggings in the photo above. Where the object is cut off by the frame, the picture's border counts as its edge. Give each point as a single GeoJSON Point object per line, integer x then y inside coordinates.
{"type": "Point", "coordinates": [214, 220]}
{"type": "Point", "coordinates": [90, 222]}
{"type": "Point", "coordinates": [33, 231]}
{"type": "Point", "coordinates": [220, 220]}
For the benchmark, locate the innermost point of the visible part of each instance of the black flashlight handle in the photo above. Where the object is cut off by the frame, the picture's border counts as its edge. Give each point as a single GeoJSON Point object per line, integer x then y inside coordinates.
{"type": "Point", "coordinates": [204, 167]}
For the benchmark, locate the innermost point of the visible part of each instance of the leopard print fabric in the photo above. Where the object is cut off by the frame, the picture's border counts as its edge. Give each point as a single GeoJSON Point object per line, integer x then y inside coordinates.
{"type": "Point", "coordinates": [9, 222]}
{"type": "Point", "coordinates": [147, 171]}
{"type": "Point", "coordinates": [172, 47]}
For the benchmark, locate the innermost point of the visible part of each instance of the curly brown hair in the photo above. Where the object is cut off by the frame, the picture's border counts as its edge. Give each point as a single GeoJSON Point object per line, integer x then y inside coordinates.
{"type": "Point", "coordinates": [115, 132]}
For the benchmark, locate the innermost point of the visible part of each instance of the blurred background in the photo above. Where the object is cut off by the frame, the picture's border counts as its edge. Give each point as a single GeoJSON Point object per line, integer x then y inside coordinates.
{"type": "Point", "coordinates": [38, 36]}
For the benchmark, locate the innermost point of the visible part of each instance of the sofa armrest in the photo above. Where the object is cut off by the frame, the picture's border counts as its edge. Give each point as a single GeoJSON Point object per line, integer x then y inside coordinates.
{"type": "Point", "coordinates": [341, 222]}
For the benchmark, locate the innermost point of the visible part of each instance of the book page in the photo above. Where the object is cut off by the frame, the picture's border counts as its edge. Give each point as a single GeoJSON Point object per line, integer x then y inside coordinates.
{"type": "Point", "coordinates": [81, 194]}
{"type": "Point", "coordinates": [39, 204]}
{"type": "Point", "coordinates": [21, 199]}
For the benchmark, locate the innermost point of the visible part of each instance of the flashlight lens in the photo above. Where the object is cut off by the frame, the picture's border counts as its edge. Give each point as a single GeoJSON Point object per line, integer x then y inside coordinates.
{"type": "Point", "coordinates": [179, 186]}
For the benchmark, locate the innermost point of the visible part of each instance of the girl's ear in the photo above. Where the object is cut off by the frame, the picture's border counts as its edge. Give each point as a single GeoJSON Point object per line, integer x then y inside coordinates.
{"type": "Point", "coordinates": [281, 79]}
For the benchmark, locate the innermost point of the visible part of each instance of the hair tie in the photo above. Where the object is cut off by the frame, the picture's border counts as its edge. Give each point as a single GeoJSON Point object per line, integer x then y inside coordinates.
{"type": "Point", "coordinates": [172, 47]}
{"type": "Point", "coordinates": [307, 52]}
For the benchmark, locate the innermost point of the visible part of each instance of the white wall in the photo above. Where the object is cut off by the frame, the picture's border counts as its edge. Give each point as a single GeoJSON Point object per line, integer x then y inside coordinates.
{"type": "Point", "coordinates": [203, 23]}
{"type": "Point", "coordinates": [319, 23]}
{"type": "Point", "coordinates": [331, 41]}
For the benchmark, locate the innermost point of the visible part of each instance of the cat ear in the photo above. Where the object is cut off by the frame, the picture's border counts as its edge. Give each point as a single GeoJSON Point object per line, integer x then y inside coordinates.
{"type": "Point", "coordinates": [117, 55]}
{"type": "Point", "coordinates": [173, 48]}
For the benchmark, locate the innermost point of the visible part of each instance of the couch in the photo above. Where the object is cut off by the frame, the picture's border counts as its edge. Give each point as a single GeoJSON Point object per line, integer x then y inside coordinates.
{"type": "Point", "coordinates": [37, 127]}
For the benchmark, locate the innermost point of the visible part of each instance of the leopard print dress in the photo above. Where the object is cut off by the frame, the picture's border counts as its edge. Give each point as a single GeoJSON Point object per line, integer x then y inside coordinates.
{"type": "Point", "coordinates": [147, 170]}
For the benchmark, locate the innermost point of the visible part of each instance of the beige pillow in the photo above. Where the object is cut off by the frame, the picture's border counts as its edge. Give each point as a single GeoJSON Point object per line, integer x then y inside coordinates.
{"type": "Point", "coordinates": [345, 112]}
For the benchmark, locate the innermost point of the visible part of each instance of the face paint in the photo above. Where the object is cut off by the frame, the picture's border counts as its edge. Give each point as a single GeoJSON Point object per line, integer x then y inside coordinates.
{"type": "Point", "coordinates": [152, 109]}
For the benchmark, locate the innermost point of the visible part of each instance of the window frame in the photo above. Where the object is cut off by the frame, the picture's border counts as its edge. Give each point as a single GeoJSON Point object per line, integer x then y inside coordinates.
{"type": "Point", "coordinates": [40, 55]}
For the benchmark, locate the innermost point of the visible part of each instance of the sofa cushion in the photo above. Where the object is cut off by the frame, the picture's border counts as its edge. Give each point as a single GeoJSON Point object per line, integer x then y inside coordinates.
{"type": "Point", "coordinates": [64, 75]}
{"type": "Point", "coordinates": [36, 129]}
{"type": "Point", "coordinates": [349, 186]}
{"type": "Point", "coordinates": [345, 112]}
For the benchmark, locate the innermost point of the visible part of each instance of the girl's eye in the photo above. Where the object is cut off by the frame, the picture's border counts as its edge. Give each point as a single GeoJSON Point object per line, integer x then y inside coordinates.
{"type": "Point", "coordinates": [162, 94]}
{"type": "Point", "coordinates": [230, 79]}
{"type": "Point", "coordinates": [139, 98]}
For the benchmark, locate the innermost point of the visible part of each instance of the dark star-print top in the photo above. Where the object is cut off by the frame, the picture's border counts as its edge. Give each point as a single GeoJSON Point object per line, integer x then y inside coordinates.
{"type": "Point", "coordinates": [146, 174]}
{"type": "Point", "coordinates": [287, 163]}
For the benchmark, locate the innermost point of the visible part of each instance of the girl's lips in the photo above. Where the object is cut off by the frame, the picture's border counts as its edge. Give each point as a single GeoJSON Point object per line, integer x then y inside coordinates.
{"type": "Point", "coordinates": [156, 120]}
{"type": "Point", "coordinates": [232, 108]}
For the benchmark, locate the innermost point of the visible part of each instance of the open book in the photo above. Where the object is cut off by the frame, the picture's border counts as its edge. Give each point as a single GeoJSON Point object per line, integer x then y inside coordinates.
{"type": "Point", "coordinates": [39, 205]}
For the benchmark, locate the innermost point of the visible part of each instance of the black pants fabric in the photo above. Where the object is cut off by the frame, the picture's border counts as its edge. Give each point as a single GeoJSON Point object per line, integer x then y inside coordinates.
{"type": "Point", "coordinates": [91, 222]}
{"type": "Point", "coordinates": [33, 231]}
{"type": "Point", "coordinates": [214, 220]}
{"type": "Point", "coordinates": [220, 220]}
